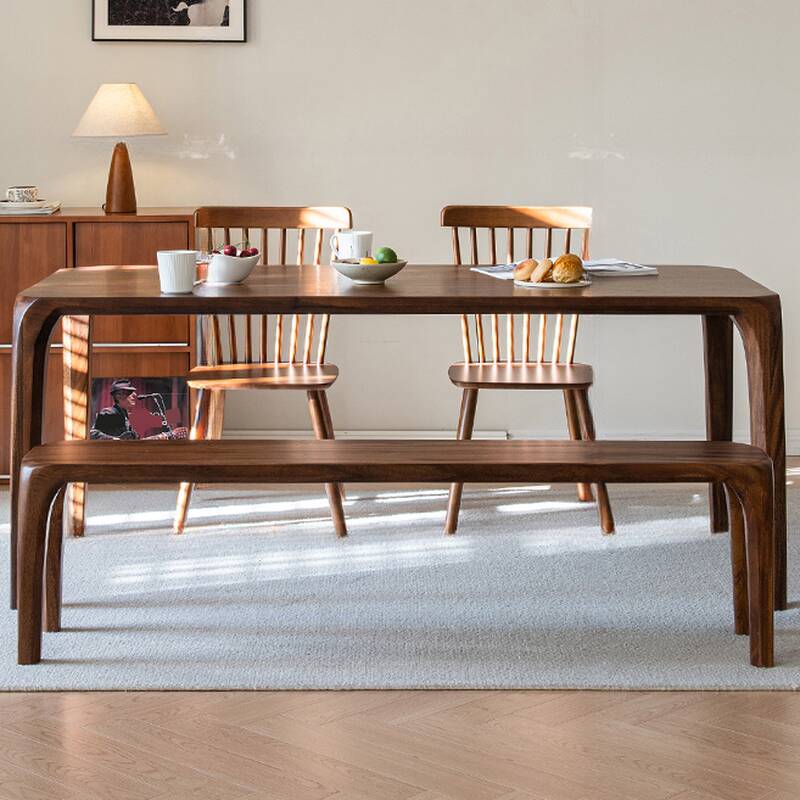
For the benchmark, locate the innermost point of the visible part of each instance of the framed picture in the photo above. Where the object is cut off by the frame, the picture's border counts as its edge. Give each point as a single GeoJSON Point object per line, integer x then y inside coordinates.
{"type": "Point", "coordinates": [169, 21]}
{"type": "Point", "coordinates": [139, 408]}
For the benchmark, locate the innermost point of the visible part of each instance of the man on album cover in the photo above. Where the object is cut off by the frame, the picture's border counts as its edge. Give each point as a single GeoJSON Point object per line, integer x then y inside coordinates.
{"type": "Point", "coordinates": [113, 422]}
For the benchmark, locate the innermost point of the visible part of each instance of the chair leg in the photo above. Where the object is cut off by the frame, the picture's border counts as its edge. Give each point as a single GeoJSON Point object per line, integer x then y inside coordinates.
{"type": "Point", "coordinates": [466, 422]}
{"type": "Point", "coordinates": [574, 426]}
{"type": "Point", "coordinates": [216, 414]}
{"type": "Point", "coordinates": [36, 496]}
{"type": "Point", "coordinates": [738, 563]}
{"type": "Point", "coordinates": [53, 563]}
{"type": "Point", "coordinates": [76, 509]}
{"type": "Point", "coordinates": [329, 430]}
{"type": "Point", "coordinates": [199, 431]}
{"type": "Point", "coordinates": [331, 489]}
{"type": "Point", "coordinates": [587, 423]}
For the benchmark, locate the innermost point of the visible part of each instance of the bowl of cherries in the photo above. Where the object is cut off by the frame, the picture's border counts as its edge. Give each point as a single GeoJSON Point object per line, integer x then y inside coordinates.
{"type": "Point", "coordinates": [231, 264]}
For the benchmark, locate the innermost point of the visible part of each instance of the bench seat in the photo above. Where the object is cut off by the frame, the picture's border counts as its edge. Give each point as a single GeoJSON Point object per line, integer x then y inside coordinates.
{"type": "Point", "coordinates": [390, 461]}
{"type": "Point", "coordinates": [745, 471]}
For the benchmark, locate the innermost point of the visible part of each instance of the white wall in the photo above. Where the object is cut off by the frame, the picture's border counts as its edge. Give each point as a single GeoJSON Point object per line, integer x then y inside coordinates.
{"type": "Point", "coordinates": [677, 121]}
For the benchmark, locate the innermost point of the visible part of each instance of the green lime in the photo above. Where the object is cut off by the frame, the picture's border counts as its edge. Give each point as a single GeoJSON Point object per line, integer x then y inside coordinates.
{"type": "Point", "coordinates": [385, 255]}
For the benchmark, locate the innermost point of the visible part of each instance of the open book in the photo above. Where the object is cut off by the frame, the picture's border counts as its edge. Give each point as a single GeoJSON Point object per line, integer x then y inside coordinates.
{"type": "Point", "coordinates": [605, 267]}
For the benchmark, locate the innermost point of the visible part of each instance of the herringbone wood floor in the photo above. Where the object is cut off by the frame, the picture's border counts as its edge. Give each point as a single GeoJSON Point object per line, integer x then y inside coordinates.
{"type": "Point", "coordinates": [401, 745]}
{"type": "Point", "coordinates": [418, 745]}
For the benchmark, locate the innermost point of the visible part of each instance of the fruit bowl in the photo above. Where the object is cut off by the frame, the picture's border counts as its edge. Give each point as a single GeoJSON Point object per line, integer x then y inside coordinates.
{"type": "Point", "coordinates": [367, 274]}
{"type": "Point", "coordinates": [229, 270]}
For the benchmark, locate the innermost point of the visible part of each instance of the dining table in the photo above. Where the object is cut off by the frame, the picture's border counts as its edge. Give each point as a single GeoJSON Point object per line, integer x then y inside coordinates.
{"type": "Point", "coordinates": [723, 298]}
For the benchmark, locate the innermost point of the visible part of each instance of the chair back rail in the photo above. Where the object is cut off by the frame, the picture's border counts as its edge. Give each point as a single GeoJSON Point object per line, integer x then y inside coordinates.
{"type": "Point", "coordinates": [230, 339]}
{"type": "Point", "coordinates": [541, 225]}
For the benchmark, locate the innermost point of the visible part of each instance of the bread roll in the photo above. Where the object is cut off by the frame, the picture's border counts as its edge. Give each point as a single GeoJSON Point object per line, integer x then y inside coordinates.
{"type": "Point", "coordinates": [568, 269]}
{"type": "Point", "coordinates": [524, 269]}
{"type": "Point", "coordinates": [543, 271]}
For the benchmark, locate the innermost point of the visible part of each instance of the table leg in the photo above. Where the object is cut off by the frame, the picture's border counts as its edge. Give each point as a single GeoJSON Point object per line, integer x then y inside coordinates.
{"type": "Point", "coordinates": [32, 328]}
{"type": "Point", "coordinates": [761, 328]}
{"type": "Point", "coordinates": [718, 351]}
{"type": "Point", "coordinates": [77, 337]}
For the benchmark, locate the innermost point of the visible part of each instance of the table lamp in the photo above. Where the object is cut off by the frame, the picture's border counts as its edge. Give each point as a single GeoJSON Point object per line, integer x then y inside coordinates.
{"type": "Point", "coordinates": [119, 110]}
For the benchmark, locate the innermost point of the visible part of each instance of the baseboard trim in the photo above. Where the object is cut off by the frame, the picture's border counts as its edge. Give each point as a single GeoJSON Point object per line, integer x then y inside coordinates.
{"type": "Point", "coordinates": [366, 434]}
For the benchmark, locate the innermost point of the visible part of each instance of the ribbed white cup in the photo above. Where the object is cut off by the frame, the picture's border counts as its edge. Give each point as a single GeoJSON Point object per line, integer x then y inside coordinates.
{"type": "Point", "coordinates": [177, 270]}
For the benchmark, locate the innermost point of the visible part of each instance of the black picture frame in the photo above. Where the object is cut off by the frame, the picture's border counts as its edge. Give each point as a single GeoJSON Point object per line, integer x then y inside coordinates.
{"type": "Point", "coordinates": [235, 33]}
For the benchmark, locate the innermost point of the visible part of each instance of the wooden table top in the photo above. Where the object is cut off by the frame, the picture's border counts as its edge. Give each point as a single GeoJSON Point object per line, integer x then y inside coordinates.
{"type": "Point", "coordinates": [418, 289]}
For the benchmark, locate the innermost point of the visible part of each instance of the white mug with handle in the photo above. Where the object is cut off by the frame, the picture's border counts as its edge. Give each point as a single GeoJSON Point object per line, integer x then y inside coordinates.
{"type": "Point", "coordinates": [351, 244]}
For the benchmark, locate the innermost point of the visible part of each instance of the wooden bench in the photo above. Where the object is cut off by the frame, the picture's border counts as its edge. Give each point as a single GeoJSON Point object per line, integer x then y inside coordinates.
{"type": "Point", "coordinates": [745, 471]}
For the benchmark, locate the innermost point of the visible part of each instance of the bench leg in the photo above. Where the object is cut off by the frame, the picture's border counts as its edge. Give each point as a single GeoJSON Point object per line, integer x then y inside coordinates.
{"type": "Point", "coordinates": [331, 489]}
{"type": "Point", "coordinates": [466, 423]}
{"type": "Point", "coordinates": [329, 431]}
{"type": "Point", "coordinates": [735, 516]}
{"type": "Point", "coordinates": [587, 423]}
{"type": "Point", "coordinates": [53, 563]}
{"type": "Point", "coordinates": [199, 430]}
{"type": "Point", "coordinates": [574, 427]}
{"type": "Point", "coordinates": [35, 499]}
{"type": "Point", "coordinates": [756, 495]}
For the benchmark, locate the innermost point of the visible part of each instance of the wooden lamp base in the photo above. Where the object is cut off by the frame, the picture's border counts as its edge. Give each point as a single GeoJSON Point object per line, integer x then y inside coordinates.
{"type": "Point", "coordinates": [120, 192]}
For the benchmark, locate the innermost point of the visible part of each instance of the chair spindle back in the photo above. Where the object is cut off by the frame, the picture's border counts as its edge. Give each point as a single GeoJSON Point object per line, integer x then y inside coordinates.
{"type": "Point", "coordinates": [539, 224]}
{"type": "Point", "coordinates": [228, 339]}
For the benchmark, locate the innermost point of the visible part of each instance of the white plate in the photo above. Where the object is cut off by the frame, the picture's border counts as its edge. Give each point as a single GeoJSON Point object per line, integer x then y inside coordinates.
{"type": "Point", "coordinates": [549, 285]}
{"type": "Point", "coordinates": [32, 204]}
{"type": "Point", "coordinates": [39, 207]}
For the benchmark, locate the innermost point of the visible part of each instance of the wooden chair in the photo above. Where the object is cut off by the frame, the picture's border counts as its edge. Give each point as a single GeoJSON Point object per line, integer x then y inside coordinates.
{"type": "Point", "coordinates": [240, 355]}
{"type": "Point", "coordinates": [544, 367]}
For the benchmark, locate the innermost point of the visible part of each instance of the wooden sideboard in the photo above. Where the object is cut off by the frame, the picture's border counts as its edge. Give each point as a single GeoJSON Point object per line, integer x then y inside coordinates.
{"type": "Point", "coordinates": [33, 247]}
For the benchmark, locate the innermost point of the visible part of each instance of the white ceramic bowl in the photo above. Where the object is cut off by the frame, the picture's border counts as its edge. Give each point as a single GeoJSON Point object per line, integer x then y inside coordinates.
{"type": "Point", "coordinates": [228, 270]}
{"type": "Point", "coordinates": [367, 273]}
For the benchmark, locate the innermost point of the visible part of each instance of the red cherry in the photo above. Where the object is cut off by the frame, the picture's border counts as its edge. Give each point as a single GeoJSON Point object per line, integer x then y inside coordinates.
{"type": "Point", "coordinates": [229, 250]}
{"type": "Point", "coordinates": [253, 251]}
{"type": "Point", "coordinates": [245, 253]}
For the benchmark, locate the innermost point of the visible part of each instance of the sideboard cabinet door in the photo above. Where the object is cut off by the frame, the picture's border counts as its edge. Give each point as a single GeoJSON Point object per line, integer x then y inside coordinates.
{"type": "Point", "coordinates": [28, 253]}
{"type": "Point", "coordinates": [54, 405]}
{"type": "Point", "coordinates": [98, 243]}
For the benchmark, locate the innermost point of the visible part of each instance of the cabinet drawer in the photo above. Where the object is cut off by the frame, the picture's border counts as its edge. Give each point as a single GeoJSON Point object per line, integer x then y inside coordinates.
{"type": "Point", "coordinates": [54, 404]}
{"type": "Point", "coordinates": [109, 243]}
{"type": "Point", "coordinates": [107, 364]}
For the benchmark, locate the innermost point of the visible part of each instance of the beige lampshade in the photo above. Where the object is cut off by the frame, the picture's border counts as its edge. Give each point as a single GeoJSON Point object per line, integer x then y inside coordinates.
{"type": "Point", "coordinates": [119, 110]}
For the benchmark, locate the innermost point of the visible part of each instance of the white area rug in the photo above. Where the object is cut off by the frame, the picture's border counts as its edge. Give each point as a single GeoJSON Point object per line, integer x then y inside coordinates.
{"type": "Point", "coordinates": [260, 594]}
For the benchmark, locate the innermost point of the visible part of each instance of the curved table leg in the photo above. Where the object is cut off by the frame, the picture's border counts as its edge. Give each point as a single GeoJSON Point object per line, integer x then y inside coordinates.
{"type": "Point", "coordinates": [761, 328]}
{"type": "Point", "coordinates": [33, 325]}
{"type": "Point", "coordinates": [718, 352]}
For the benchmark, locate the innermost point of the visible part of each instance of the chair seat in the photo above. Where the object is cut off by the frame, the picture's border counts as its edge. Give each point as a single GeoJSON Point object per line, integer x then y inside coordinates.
{"type": "Point", "coordinates": [263, 376]}
{"type": "Point", "coordinates": [521, 376]}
